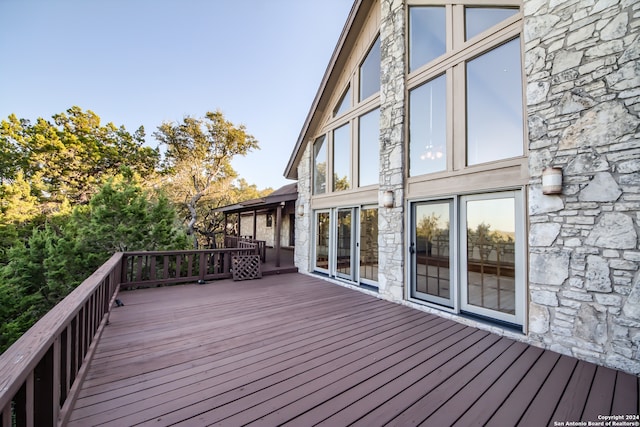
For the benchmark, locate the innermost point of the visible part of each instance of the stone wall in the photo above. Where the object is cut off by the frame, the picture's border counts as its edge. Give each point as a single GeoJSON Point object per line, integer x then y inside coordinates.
{"type": "Point", "coordinates": [262, 231]}
{"type": "Point", "coordinates": [304, 231]}
{"type": "Point", "coordinates": [583, 103]}
{"type": "Point", "coordinates": [390, 220]}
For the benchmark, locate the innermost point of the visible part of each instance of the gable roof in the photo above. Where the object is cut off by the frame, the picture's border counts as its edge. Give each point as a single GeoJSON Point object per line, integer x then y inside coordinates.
{"type": "Point", "coordinates": [348, 37]}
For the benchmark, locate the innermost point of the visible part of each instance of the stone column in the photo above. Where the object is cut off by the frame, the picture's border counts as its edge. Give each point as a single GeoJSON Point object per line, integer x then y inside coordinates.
{"type": "Point", "coordinates": [391, 238]}
{"type": "Point", "coordinates": [583, 102]}
{"type": "Point", "coordinates": [304, 232]}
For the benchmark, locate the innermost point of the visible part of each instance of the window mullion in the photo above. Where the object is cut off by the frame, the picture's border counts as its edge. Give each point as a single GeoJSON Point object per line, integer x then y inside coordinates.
{"type": "Point", "coordinates": [330, 172]}
{"type": "Point", "coordinates": [355, 173]}
{"type": "Point", "coordinates": [455, 27]}
{"type": "Point", "coordinates": [458, 109]}
{"type": "Point", "coordinates": [450, 129]}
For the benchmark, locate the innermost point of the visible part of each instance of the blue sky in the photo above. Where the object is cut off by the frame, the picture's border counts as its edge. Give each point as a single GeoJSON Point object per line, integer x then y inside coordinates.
{"type": "Point", "coordinates": [142, 62]}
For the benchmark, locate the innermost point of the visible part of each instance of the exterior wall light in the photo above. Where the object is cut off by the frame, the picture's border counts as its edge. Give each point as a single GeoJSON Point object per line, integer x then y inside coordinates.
{"type": "Point", "coordinates": [552, 180]}
{"type": "Point", "coordinates": [387, 199]}
{"type": "Point", "coordinates": [300, 209]}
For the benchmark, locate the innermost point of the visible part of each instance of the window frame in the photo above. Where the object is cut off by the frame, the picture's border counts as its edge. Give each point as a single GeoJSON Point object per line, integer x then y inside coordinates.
{"type": "Point", "coordinates": [453, 64]}
{"type": "Point", "coordinates": [458, 248]}
{"type": "Point", "coordinates": [352, 117]}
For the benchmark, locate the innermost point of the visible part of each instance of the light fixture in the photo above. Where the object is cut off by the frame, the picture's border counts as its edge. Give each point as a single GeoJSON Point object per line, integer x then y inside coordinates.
{"type": "Point", "coordinates": [552, 180]}
{"type": "Point", "coordinates": [301, 209]}
{"type": "Point", "coordinates": [387, 199]}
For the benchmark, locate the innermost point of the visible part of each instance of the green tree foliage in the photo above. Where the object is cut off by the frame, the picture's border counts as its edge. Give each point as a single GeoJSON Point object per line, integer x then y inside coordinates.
{"type": "Point", "coordinates": [124, 217]}
{"type": "Point", "coordinates": [66, 160]}
{"type": "Point", "coordinates": [70, 196]}
{"type": "Point", "coordinates": [198, 160]}
{"type": "Point", "coordinates": [58, 257]}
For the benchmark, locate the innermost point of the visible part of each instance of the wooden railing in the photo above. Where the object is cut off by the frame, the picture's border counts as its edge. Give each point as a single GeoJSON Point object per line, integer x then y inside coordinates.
{"type": "Point", "coordinates": [169, 267]}
{"type": "Point", "coordinates": [41, 373]}
{"type": "Point", "coordinates": [247, 242]}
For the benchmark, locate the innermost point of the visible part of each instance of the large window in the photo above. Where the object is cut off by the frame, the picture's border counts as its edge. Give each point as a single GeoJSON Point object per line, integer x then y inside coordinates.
{"type": "Point", "coordinates": [342, 158]}
{"type": "Point", "coordinates": [319, 166]}
{"type": "Point", "coordinates": [352, 131]}
{"type": "Point", "coordinates": [427, 35]}
{"type": "Point", "coordinates": [370, 72]}
{"type": "Point", "coordinates": [369, 148]}
{"type": "Point", "coordinates": [494, 105]}
{"type": "Point", "coordinates": [465, 91]}
{"type": "Point", "coordinates": [344, 103]}
{"type": "Point", "coordinates": [479, 19]}
{"type": "Point", "coordinates": [427, 115]}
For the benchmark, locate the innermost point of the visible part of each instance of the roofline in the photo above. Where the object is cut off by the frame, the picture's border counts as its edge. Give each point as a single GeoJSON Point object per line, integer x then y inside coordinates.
{"type": "Point", "coordinates": [290, 171]}
{"type": "Point", "coordinates": [255, 204]}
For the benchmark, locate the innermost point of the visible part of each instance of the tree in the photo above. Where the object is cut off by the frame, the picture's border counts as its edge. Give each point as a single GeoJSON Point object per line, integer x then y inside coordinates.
{"type": "Point", "coordinates": [124, 217]}
{"type": "Point", "coordinates": [57, 257]}
{"type": "Point", "coordinates": [198, 159]}
{"type": "Point", "coordinates": [67, 160]}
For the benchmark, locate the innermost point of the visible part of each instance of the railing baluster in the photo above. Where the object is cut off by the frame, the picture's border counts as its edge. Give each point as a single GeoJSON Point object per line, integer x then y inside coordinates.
{"type": "Point", "coordinates": [56, 379]}
{"type": "Point", "coordinates": [178, 266]}
{"type": "Point", "coordinates": [5, 421]}
{"type": "Point", "coordinates": [138, 270]}
{"type": "Point", "coordinates": [165, 267]}
{"type": "Point", "coordinates": [203, 266]}
{"type": "Point", "coordinates": [67, 377]}
{"type": "Point", "coordinates": [43, 391]}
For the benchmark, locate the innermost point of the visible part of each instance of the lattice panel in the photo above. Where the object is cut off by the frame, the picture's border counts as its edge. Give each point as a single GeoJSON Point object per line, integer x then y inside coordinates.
{"type": "Point", "coordinates": [245, 267]}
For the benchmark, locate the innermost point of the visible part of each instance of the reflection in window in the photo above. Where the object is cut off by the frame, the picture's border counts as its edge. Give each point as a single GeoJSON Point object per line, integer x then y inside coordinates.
{"type": "Point", "coordinates": [319, 166]}
{"type": "Point", "coordinates": [344, 103]}
{"type": "Point", "coordinates": [478, 19]}
{"type": "Point", "coordinates": [369, 244]}
{"type": "Point", "coordinates": [427, 37]}
{"type": "Point", "coordinates": [370, 72]}
{"type": "Point", "coordinates": [427, 127]}
{"type": "Point", "coordinates": [369, 149]}
{"type": "Point", "coordinates": [322, 240]}
{"type": "Point", "coordinates": [491, 233]}
{"type": "Point", "coordinates": [494, 105]}
{"type": "Point", "coordinates": [342, 158]}
{"type": "Point", "coordinates": [344, 245]}
{"type": "Point", "coordinates": [432, 249]}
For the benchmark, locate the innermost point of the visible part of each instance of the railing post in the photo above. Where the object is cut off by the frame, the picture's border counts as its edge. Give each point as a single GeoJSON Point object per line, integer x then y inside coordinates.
{"type": "Point", "coordinates": [203, 265]}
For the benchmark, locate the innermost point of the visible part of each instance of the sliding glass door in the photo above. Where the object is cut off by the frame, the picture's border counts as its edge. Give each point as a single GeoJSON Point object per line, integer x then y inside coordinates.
{"type": "Point", "coordinates": [346, 243]}
{"type": "Point", "coordinates": [467, 254]}
{"type": "Point", "coordinates": [322, 241]}
{"type": "Point", "coordinates": [491, 256]}
{"type": "Point", "coordinates": [430, 252]}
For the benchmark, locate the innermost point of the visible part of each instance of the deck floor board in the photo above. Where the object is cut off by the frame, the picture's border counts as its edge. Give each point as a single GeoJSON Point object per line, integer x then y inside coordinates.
{"type": "Point", "coordinates": [294, 349]}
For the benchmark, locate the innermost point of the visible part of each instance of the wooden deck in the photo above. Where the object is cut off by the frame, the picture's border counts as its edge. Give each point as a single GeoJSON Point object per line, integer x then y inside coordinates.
{"type": "Point", "coordinates": [295, 350]}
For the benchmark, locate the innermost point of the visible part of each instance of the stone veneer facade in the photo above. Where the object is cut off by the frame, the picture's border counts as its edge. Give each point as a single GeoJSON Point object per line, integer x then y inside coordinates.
{"type": "Point", "coordinates": [391, 237]}
{"type": "Point", "coordinates": [583, 104]}
{"type": "Point", "coordinates": [581, 62]}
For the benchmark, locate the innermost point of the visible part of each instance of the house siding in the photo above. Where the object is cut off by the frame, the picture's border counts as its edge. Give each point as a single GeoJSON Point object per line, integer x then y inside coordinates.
{"type": "Point", "coordinates": [582, 102]}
